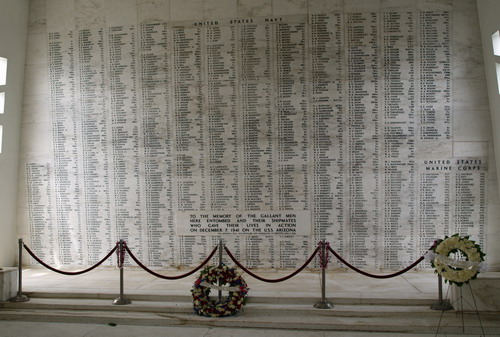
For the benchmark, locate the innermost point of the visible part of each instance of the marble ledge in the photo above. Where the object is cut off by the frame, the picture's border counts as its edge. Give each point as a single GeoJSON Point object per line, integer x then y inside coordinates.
{"type": "Point", "coordinates": [484, 292]}
{"type": "Point", "coordinates": [8, 283]}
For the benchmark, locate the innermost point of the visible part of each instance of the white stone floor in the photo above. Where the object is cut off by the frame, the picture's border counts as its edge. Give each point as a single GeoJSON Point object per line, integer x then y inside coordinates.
{"type": "Point", "coordinates": [303, 287]}
{"type": "Point", "coordinates": [307, 284]}
{"type": "Point", "coordinates": [37, 329]}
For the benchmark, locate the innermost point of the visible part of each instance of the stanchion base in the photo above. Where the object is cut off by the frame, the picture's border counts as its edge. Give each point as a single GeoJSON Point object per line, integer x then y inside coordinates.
{"type": "Point", "coordinates": [323, 305]}
{"type": "Point", "coordinates": [442, 306]}
{"type": "Point", "coordinates": [121, 301]}
{"type": "Point", "coordinates": [20, 298]}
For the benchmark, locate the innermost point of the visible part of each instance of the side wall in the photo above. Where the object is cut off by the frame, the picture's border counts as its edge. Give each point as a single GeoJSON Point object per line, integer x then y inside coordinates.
{"type": "Point", "coordinates": [13, 32]}
{"type": "Point", "coordinates": [489, 18]}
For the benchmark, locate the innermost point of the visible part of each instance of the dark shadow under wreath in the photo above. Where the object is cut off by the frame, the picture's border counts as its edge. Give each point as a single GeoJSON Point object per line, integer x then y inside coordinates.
{"type": "Point", "coordinates": [223, 277]}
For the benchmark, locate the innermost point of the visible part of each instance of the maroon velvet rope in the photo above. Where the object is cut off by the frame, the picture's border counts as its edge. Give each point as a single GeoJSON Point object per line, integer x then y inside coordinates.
{"type": "Point", "coordinates": [69, 272]}
{"type": "Point", "coordinates": [372, 275]}
{"type": "Point", "coordinates": [272, 280]}
{"type": "Point", "coordinates": [170, 277]}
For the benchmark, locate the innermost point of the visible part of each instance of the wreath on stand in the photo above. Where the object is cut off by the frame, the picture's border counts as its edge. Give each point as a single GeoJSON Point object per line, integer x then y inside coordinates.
{"type": "Point", "coordinates": [219, 278]}
{"type": "Point", "coordinates": [465, 263]}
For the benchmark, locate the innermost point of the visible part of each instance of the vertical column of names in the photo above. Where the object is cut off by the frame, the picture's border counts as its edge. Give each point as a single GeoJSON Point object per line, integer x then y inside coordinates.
{"type": "Point", "coordinates": [435, 76]}
{"type": "Point", "coordinates": [220, 92]}
{"type": "Point", "coordinates": [434, 118]}
{"type": "Point", "coordinates": [435, 178]}
{"type": "Point", "coordinates": [291, 115]}
{"type": "Point", "coordinates": [156, 132]}
{"type": "Point", "coordinates": [38, 193]}
{"type": "Point", "coordinates": [94, 179]}
{"type": "Point", "coordinates": [292, 139]}
{"type": "Point", "coordinates": [328, 127]}
{"type": "Point", "coordinates": [124, 136]}
{"type": "Point", "coordinates": [255, 102]}
{"type": "Point", "coordinates": [189, 132]}
{"type": "Point", "coordinates": [469, 197]}
{"type": "Point", "coordinates": [255, 98]}
{"type": "Point", "coordinates": [64, 136]}
{"type": "Point", "coordinates": [362, 160]}
{"type": "Point", "coordinates": [398, 106]}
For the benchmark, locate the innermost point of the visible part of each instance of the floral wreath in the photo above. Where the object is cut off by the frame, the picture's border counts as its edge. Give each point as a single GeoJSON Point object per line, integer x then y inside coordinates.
{"type": "Point", "coordinates": [453, 270]}
{"type": "Point", "coordinates": [216, 277]}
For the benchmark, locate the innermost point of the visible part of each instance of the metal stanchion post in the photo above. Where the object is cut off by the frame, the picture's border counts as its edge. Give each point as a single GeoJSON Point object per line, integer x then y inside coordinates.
{"type": "Point", "coordinates": [221, 247]}
{"type": "Point", "coordinates": [441, 304]}
{"type": "Point", "coordinates": [323, 304]}
{"type": "Point", "coordinates": [20, 297]}
{"type": "Point", "coordinates": [121, 300]}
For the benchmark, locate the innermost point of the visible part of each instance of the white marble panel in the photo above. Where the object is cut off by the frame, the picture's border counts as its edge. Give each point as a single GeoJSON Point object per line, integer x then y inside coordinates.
{"type": "Point", "coordinates": [36, 109]}
{"type": "Point", "coordinates": [254, 8]}
{"type": "Point", "coordinates": [465, 29]}
{"type": "Point", "coordinates": [217, 9]}
{"type": "Point", "coordinates": [325, 6]}
{"type": "Point", "coordinates": [470, 149]}
{"type": "Point", "coordinates": [8, 283]}
{"type": "Point", "coordinates": [436, 149]}
{"type": "Point", "coordinates": [493, 211]}
{"type": "Point", "coordinates": [467, 62]}
{"type": "Point", "coordinates": [60, 15]}
{"type": "Point", "coordinates": [40, 144]}
{"type": "Point", "coordinates": [121, 12]}
{"type": "Point", "coordinates": [492, 169]}
{"type": "Point", "coordinates": [396, 4]}
{"type": "Point", "coordinates": [36, 49]}
{"type": "Point", "coordinates": [362, 6]}
{"type": "Point", "coordinates": [153, 10]}
{"type": "Point", "coordinates": [471, 126]}
{"type": "Point", "coordinates": [465, 5]}
{"type": "Point", "coordinates": [435, 5]}
{"type": "Point", "coordinates": [181, 10]}
{"type": "Point", "coordinates": [36, 80]}
{"type": "Point", "coordinates": [37, 22]}
{"type": "Point", "coordinates": [289, 7]}
{"type": "Point", "coordinates": [90, 13]}
{"type": "Point", "coordinates": [22, 231]}
{"type": "Point", "coordinates": [470, 95]}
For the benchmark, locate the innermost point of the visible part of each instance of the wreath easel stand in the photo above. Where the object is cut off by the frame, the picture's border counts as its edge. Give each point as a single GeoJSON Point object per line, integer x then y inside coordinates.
{"type": "Point", "coordinates": [456, 272]}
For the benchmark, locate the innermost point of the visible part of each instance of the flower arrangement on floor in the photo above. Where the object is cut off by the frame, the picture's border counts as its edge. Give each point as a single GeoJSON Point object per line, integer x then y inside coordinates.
{"type": "Point", "coordinates": [453, 270]}
{"type": "Point", "coordinates": [217, 277]}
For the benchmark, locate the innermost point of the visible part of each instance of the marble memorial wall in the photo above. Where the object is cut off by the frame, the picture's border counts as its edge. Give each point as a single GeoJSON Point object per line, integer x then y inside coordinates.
{"type": "Point", "coordinates": [272, 132]}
